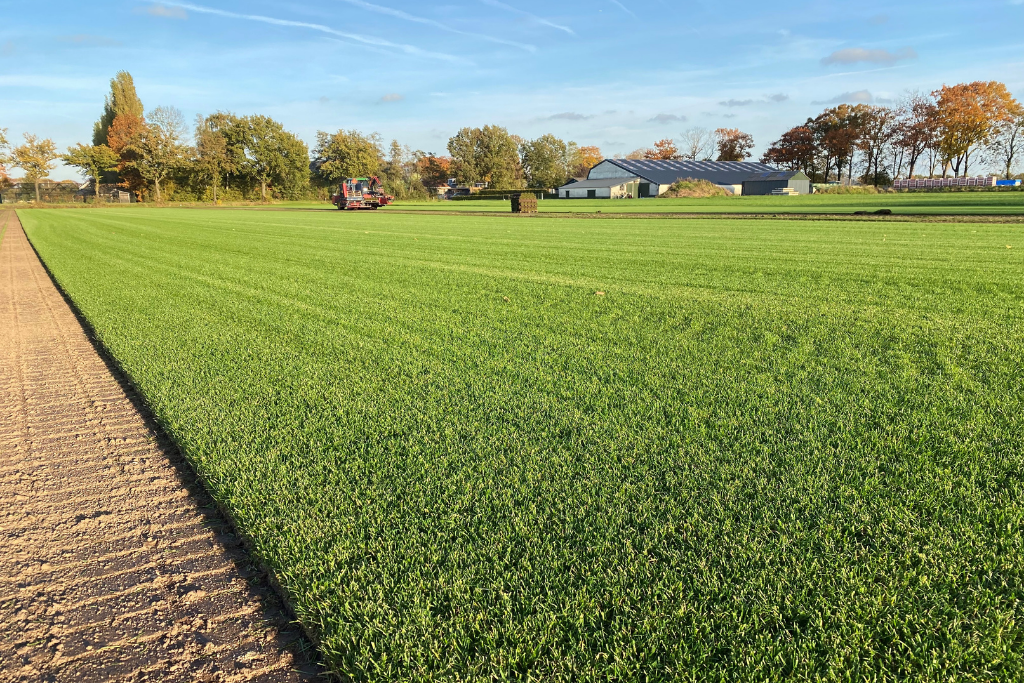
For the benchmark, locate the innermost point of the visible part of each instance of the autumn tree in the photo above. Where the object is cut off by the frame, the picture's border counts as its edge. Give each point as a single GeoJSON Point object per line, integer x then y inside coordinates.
{"type": "Point", "coordinates": [663, 149]}
{"type": "Point", "coordinates": [967, 114]}
{"type": "Point", "coordinates": [916, 131]}
{"type": "Point", "coordinates": [548, 161]}
{"type": "Point", "coordinates": [733, 144]}
{"type": "Point", "coordinates": [489, 154]}
{"type": "Point", "coordinates": [837, 131]}
{"type": "Point", "coordinates": [122, 100]}
{"type": "Point", "coordinates": [120, 138]}
{"type": "Point", "coordinates": [346, 154]}
{"type": "Point", "coordinates": [91, 160]}
{"type": "Point", "coordinates": [795, 150]}
{"type": "Point", "coordinates": [878, 127]}
{"type": "Point", "coordinates": [587, 157]}
{"type": "Point", "coordinates": [698, 144]}
{"type": "Point", "coordinates": [434, 170]}
{"type": "Point", "coordinates": [35, 158]}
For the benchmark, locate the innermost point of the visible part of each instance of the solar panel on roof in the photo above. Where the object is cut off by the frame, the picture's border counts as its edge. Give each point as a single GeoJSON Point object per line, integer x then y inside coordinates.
{"type": "Point", "coordinates": [668, 171]}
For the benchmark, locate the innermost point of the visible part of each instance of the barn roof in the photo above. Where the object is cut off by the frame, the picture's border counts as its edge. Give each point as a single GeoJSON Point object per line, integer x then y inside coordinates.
{"type": "Point", "coordinates": [666, 172]}
{"type": "Point", "coordinates": [778, 175]}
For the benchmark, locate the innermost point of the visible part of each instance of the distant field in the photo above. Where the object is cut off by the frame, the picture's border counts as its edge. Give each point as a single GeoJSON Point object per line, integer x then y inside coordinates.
{"type": "Point", "coordinates": [593, 450]}
{"type": "Point", "coordinates": [951, 203]}
{"type": "Point", "coordinates": [958, 203]}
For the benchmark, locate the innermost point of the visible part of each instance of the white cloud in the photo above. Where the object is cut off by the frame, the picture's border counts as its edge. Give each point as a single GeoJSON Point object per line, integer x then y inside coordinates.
{"type": "Point", "coordinates": [768, 99]}
{"type": "Point", "coordinates": [667, 118]}
{"type": "Point", "coordinates": [856, 97]}
{"type": "Point", "coordinates": [169, 12]}
{"type": "Point", "coordinates": [569, 116]}
{"type": "Point", "coordinates": [854, 55]}
{"type": "Point", "coordinates": [392, 97]}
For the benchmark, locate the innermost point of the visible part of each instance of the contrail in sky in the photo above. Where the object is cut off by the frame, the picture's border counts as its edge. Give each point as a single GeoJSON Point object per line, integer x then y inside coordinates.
{"type": "Point", "coordinates": [437, 24]}
{"type": "Point", "coordinates": [366, 40]}
{"type": "Point", "coordinates": [539, 20]}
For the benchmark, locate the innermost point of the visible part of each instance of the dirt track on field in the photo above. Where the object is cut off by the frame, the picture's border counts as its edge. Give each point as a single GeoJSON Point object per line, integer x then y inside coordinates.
{"type": "Point", "coordinates": [114, 566]}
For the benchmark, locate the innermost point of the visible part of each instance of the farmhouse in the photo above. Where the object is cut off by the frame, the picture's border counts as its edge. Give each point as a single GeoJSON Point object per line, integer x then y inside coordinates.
{"type": "Point", "coordinates": [620, 178]}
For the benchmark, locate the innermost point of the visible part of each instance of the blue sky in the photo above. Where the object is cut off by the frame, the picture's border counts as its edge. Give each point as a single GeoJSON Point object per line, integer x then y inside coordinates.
{"type": "Point", "coordinates": [619, 74]}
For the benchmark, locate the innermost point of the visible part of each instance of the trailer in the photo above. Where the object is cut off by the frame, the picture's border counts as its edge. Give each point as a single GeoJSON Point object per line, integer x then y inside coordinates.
{"type": "Point", "coordinates": [361, 193]}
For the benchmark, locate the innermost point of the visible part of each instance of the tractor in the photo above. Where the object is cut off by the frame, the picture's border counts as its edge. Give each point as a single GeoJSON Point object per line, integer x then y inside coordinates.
{"type": "Point", "coordinates": [361, 193]}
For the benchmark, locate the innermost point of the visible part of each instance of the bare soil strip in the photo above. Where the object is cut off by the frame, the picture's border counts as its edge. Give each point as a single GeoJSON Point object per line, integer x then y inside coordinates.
{"type": "Point", "coordinates": [114, 565]}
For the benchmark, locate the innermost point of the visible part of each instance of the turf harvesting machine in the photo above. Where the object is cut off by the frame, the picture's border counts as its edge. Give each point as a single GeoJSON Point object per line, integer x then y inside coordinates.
{"type": "Point", "coordinates": [361, 193]}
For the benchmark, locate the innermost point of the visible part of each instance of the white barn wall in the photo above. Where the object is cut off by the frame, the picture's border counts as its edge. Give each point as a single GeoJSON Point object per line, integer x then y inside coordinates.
{"type": "Point", "coordinates": [613, 192]}
{"type": "Point", "coordinates": [599, 192]}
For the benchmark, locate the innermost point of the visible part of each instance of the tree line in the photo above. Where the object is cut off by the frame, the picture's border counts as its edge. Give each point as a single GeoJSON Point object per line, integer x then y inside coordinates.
{"type": "Point", "coordinates": [157, 156]}
{"type": "Point", "coordinates": [948, 131]}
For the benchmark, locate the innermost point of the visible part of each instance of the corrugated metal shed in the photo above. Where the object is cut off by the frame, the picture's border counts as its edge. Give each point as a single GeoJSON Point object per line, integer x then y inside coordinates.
{"type": "Point", "coordinates": [764, 183]}
{"type": "Point", "coordinates": [664, 172]}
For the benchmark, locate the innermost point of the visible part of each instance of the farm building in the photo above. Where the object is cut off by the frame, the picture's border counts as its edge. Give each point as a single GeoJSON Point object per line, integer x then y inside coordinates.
{"type": "Point", "coordinates": [607, 188]}
{"type": "Point", "coordinates": [778, 182]}
{"type": "Point", "coordinates": [654, 176]}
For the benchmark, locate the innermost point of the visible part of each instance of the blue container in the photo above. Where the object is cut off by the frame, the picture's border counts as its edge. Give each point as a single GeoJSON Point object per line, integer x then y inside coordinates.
{"type": "Point", "coordinates": [1007, 183]}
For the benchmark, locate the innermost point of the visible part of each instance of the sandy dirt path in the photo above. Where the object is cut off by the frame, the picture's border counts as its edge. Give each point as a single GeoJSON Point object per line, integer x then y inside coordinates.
{"type": "Point", "coordinates": [114, 565]}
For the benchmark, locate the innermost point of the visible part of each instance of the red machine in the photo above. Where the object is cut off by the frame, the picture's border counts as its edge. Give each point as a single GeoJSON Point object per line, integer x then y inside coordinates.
{"type": "Point", "coordinates": [361, 193]}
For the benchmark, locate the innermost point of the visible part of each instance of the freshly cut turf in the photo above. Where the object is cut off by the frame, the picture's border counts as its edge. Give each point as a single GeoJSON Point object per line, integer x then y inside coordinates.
{"type": "Point", "coordinates": [590, 450]}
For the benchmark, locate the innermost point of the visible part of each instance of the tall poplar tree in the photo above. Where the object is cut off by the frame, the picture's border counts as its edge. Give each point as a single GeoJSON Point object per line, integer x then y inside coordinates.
{"type": "Point", "coordinates": [122, 100]}
{"type": "Point", "coordinates": [4, 159]}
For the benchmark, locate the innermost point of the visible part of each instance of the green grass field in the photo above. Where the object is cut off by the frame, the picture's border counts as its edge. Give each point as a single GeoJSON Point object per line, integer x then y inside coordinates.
{"type": "Point", "coordinates": [924, 203]}
{"type": "Point", "coordinates": [593, 450]}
